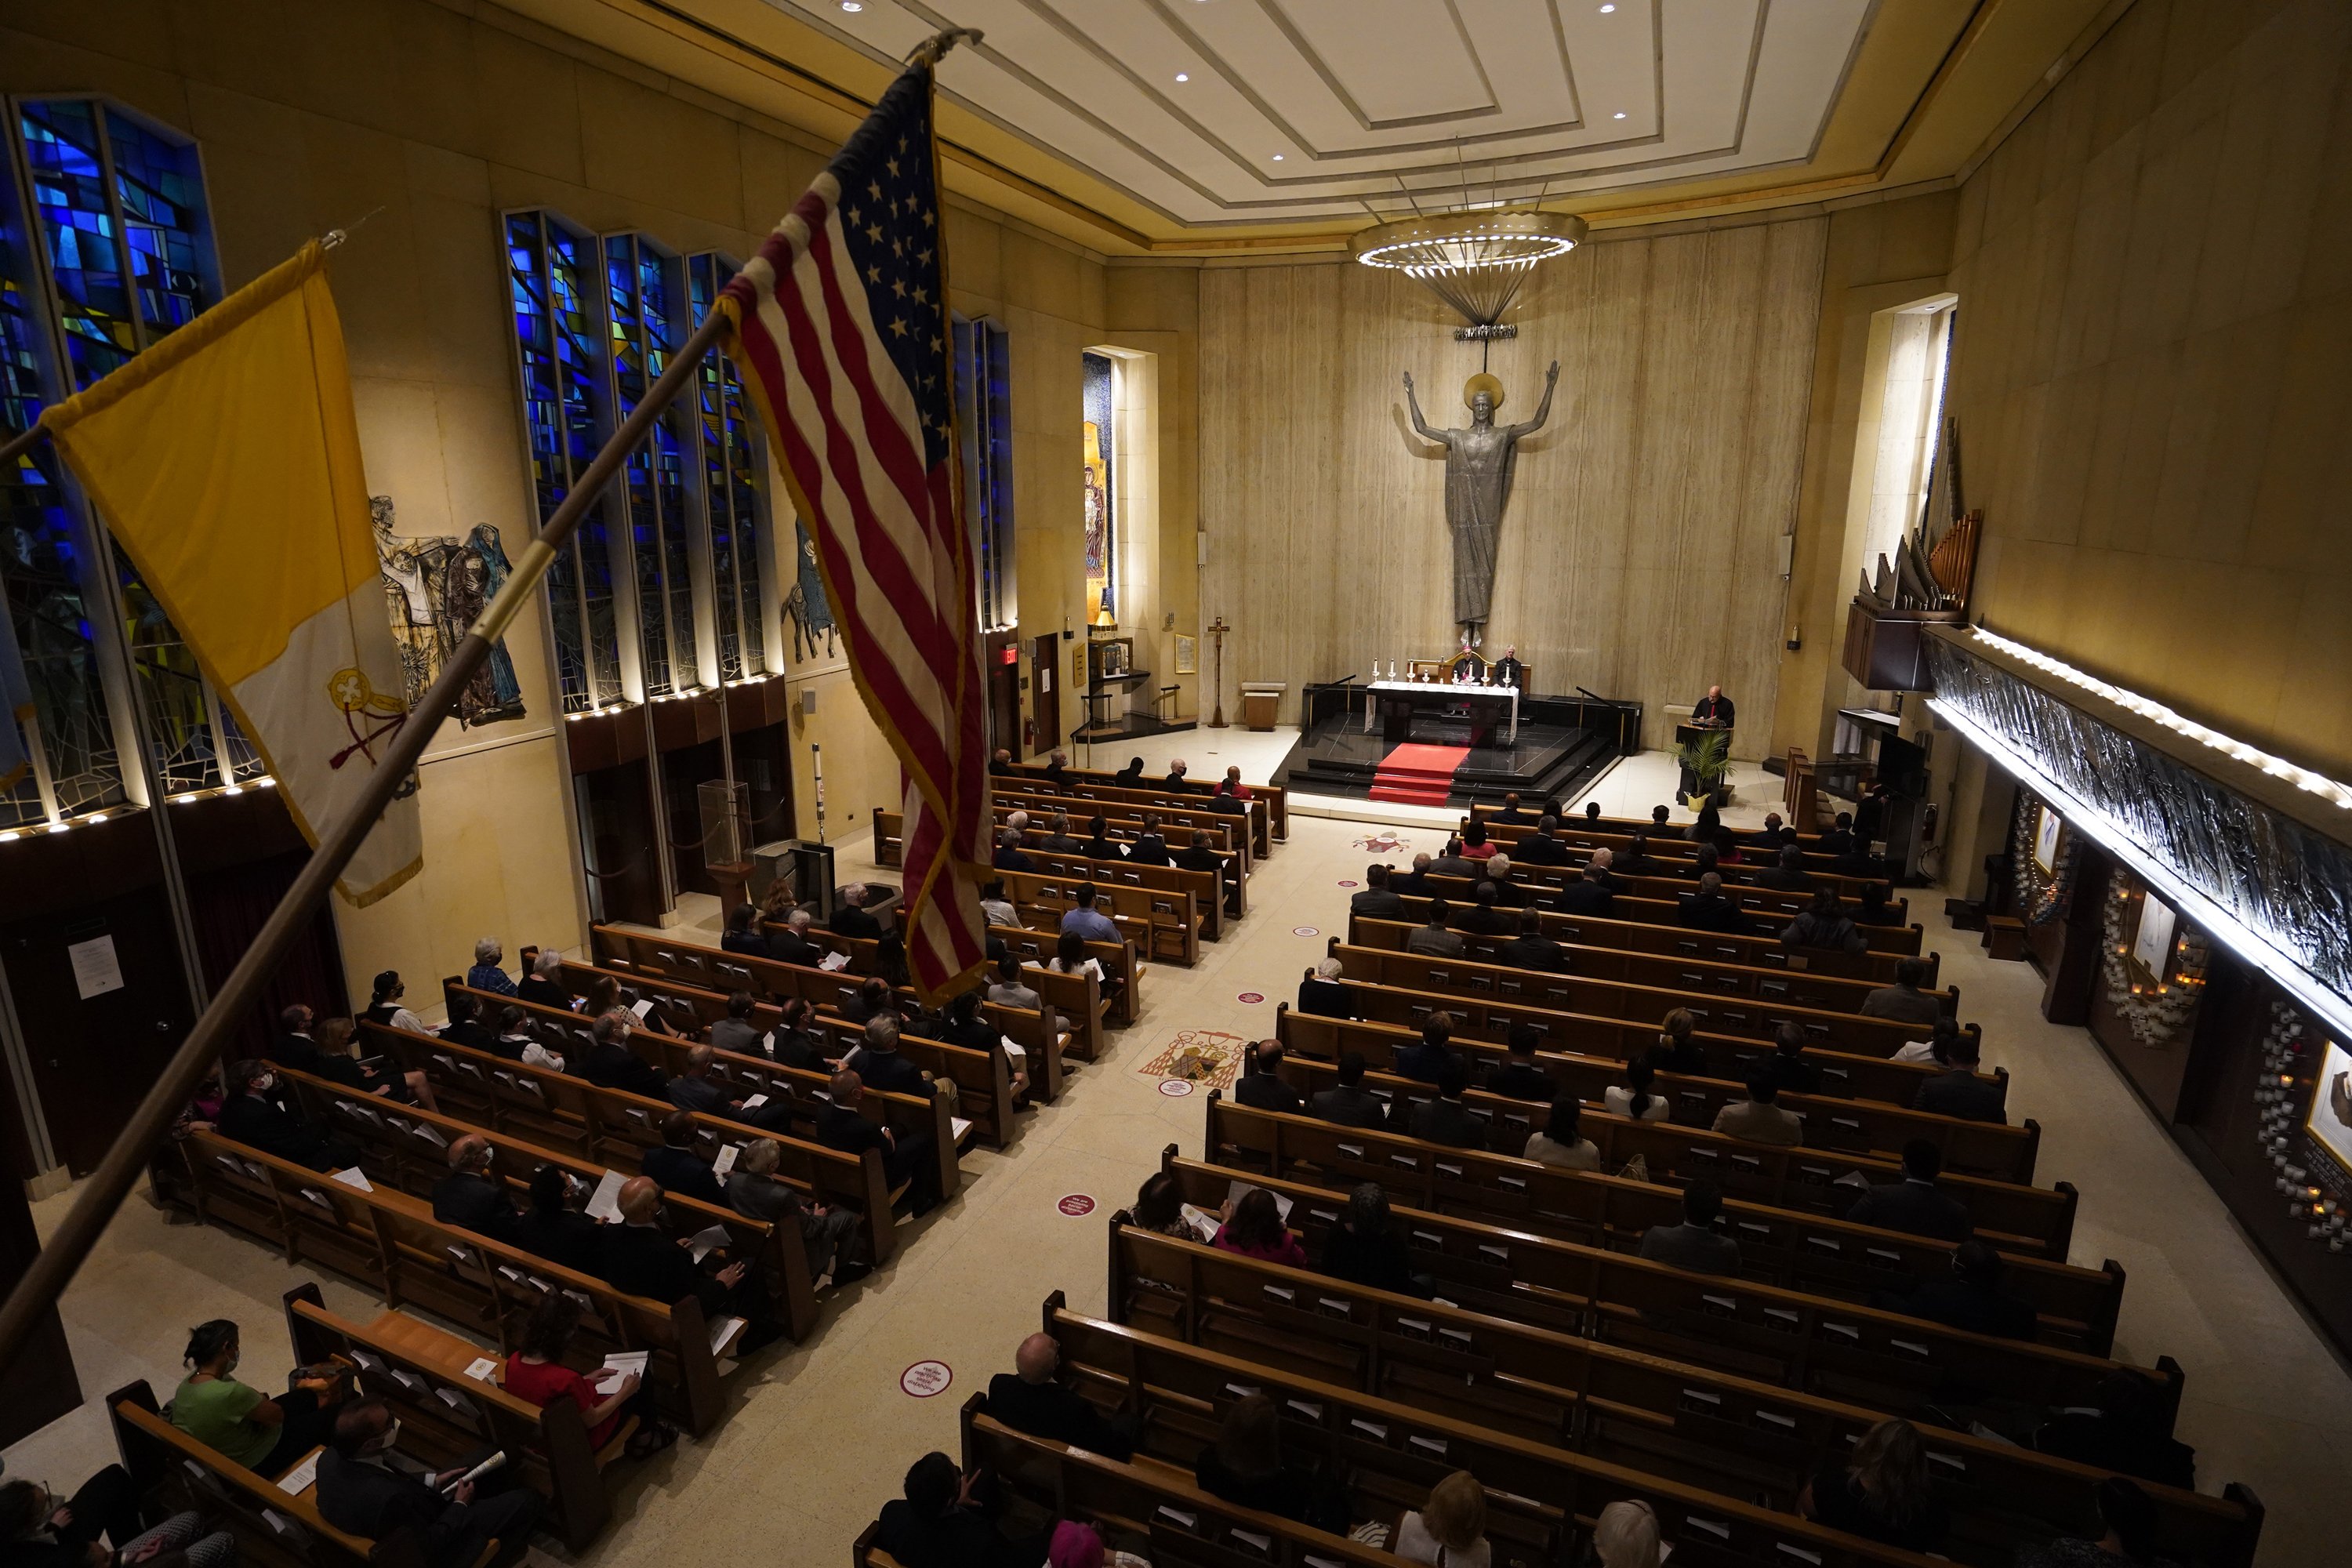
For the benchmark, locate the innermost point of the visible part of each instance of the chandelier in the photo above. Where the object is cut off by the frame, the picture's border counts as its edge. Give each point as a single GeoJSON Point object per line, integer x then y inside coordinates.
{"type": "Point", "coordinates": [1475, 261]}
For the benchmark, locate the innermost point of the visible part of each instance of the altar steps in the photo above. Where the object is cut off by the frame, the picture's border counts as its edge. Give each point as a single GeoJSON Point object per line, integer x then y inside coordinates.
{"type": "Point", "coordinates": [1337, 758]}
{"type": "Point", "coordinates": [1415, 774]}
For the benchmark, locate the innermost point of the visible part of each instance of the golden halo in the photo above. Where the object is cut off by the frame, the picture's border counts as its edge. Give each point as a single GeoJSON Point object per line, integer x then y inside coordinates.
{"type": "Point", "coordinates": [1482, 382]}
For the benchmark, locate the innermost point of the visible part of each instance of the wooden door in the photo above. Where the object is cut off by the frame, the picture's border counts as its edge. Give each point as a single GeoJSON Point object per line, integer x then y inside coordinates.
{"type": "Point", "coordinates": [1045, 689]}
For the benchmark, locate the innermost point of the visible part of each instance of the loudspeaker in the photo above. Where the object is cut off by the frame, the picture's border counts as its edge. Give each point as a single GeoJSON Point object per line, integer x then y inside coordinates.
{"type": "Point", "coordinates": [808, 700]}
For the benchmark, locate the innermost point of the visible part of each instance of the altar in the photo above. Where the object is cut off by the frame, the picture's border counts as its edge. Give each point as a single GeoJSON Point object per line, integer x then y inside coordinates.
{"type": "Point", "coordinates": [1392, 703]}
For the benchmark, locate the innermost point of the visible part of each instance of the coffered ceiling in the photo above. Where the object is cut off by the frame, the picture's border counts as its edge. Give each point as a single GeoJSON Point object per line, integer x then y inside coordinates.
{"type": "Point", "coordinates": [1212, 127]}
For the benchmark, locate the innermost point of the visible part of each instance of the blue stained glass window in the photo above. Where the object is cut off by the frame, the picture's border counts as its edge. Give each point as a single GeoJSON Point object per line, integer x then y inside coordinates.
{"type": "Point", "coordinates": [561, 361]}
{"type": "Point", "coordinates": [734, 470]}
{"type": "Point", "coordinates": [160, 185]}
{"type": "Point", "coordinates": [645, 294]}
{"type": "Point", "coordinates": [79, 233]}
{"type": "Point", "coordinates": [984, 402]}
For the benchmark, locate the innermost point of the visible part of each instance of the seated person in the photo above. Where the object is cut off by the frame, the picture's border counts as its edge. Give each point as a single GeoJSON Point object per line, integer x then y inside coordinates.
{"type": "Point", "coordinates": [1348, 1103]}
{"type": "Point", "coordinates": [1446, 1119]}
{"type": "Point", "coordinates": [1010, 856]}
{"type": "Point", "coordinates": [1225, 802]}
{"type": "Point", "coordinates": [850, 918]}
{"type": "Point", "coordinates": [1531, 949]}
{"type": "Point", "coordinates": [1875, 909]}
{"type": "Point", "coordinates": [1378, 900]}
{"type": "Point", "coordinates": [1060, 841]}
{"type": "Point", "coordinates": [1252, 1227]}
{"type": "Point", "coordinates": [1937, 1048]}
{"type": "Point", "coordinates": [1511, 811]}
{"type": "Point", "coordinates": [1009, 990]}
{"type": "Point", "coordinates": [1449, 1529]}
{"type": "Point", "coordinates": [1633, 1099]}
{"type": "Point", "coordinates": [1758, 1119]}
{"type": "Point", "coordinates": [1695, 1245]}
{"type": "Point", "coordinates": [1199, 854]}
{"type": "Point", "coordinates": [939, 1523]}
{"type": "Point", "coordinates": [40, 1529]}
{"type": "Point", "coordinates": [1451, 862]}
{"type": "Point", "coordinates": [1881, 1491]}
{"type": "Point", "coordinates": [1788, 873]}
{"type": "Point", "coordinates": [1364, 1248]}
{"type": "Point", "coordinates": [676, 1166]}
{"type": "Point", "coordinates": [611, 1064]}
{"type": "Point", "coordinates": [1839, 838]}
{"type": "Point", "coordinates": [1476, 845]}
{"type": "Point", "coordinates": [387, 1011]}
{"type": "Point", "coordinates": [239, 1422]}
{"type": "Point", "coordinates": [908, 1161]}
{"type": "Point", "coordinates": [545, 983]}
{"type": "Point", "coordinates": [1678, 1050]}
{"type": "Point", "coordinates": [1823, 924]}
{"type": "Point", "coordinates": [1244, 1467]}
{"type": "Point", "coordinates": [2122, 1430]}
{"type": "Point", "coordinates": [253, 1115]}
{"type": "Point", "coordinates": [1519, 1077]}
{"type": "Point", "coordinates": [1160, 1208]}
{"type": "Point", "coordinates": [797, 1041]}
{"type": "Point", "coordinates": [1765, 842]}
{"type": "Point", "coordinates": [828, 1232]}
{"type": "Point", "coordinates": [1149, 847]}
{"type": "Point", "coordinates": [1903, 1001]}
{"type": "Point", "coordinates": [1426, 1061]}
{"type": "Point", "coordinates": [1071, 957]}
{"type": "Point", "coordinates": [2128, 1533]}
{"type": "Point", "coordinates": [792, 944]}
{"type": "Point", "coordinates": [881, 1066]}
{"type": "Point", "coordinates": [1028, 1399]}
{"type": "Point", "coordinates": [735, 1031]}
{"type": "Point", "coordinates": [1913, 1204]}
{"type": "Point", "coordinates": [1541, 848]}
{"type": "Point", "coordinates": [872, 999]}
{"type": "Point", "coordinates": [1432, 939]}
{"type": "Point", "coordinates": [537, 1372]}
{"type": "Point", "coordinates": [1321, 995]}
{"type": "Point", "coordinates": [1261, 1086]}
{"type": "Point", "coordinates": [1659, 815]}
{"type": "Point", "coordinates": [743, 932]}
{"type": "Point", "coordinates": [1233, 787]}
{"type": "Point", "coordinates": [1176, 783]}
{"type": "Point", "coordinates": [1970, 1299]}
{"type": "Point", "coordinates": [1559, 1143]}
{"type": "Point", "coordinates": [554, 1227]}
{"type": "Point", "coordinates": [641, 1257]}
{"type": "Point", "coordinates": [1510, 892]}
{"type": "Point", "coordinates": [1085, 919]}
{"type": "Point", "coordinates": [293, 1047]}
{"type": "Point", "coordinates": [464, 1028]}
{"type": "Point", "coordinates": [1710, 909]}
{"type": "Point", "coordinates": [1415, 883]}
{"type": "Point", "coordinates": [1637, 860]}
{"type": "Point", "coordinates": [470, 1196]}
{"type": "Point", "coordinates": [1789, 1070]}
{"type": "Point", "coordinates": [1483, 918]}
{"type": "Point", "coordinates": [1100, 845]}
{"type": "Point", "coordinates": [486, 974]}
{"type": "Point", "coordinates": [339, 1063]}
{"type": "Point", "coordinates": [1130, 776]}
{"type": "Point", "coordinates": [1591, 893]}
{"type": "Point", "coordinates": [1959, 1091]}
{"type": "Point", "coordinates": [360, 1493]}
{"type": "Point", "coordinates": [967, 1027]}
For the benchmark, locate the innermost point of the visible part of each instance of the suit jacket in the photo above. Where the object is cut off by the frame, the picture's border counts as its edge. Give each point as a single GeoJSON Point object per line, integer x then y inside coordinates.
{"type": "Point", "coordinates": [1424, 1062]}
{"type": "Point", "coordinates": [371, 1501]}
{"type": "Point", "coordinates": [1194, 858]}
{"type": "Point", "coordinates": [1961, 1305]}
{"type": "Point", "coordinates": [749, 943]}
{"type": "Point", "coordinates": [1961, 1093]}
{"type": "Point", "coordinates": [1783, 880]}
{"type": "Point", "coordinates": [295, 1051]}
{"type": "Point", "coordinates": [1178, 783]}
{"type": "Point", "coordinates": [471, 1035]}
{"type": "Point", "coordinates": [1375, 903]}
{"type": "Point", "coordinates": [1454, 865]}
{"type": "Point", "coordinates": [644, 1260]}
{"type": "Point", "coordinates": [699, 1094]}
{"type": "Point", "coordinates": [851, 921]}
{"type": "Point", "coordinates": [1536, 953]}
{"type": "Point", "coordinates": [737, 1035]}
{"type": "Point", "coordinates": [788, 947]}
{"type": "Point", "coordinates": [1585, 897]}
{"type": "Point", "coordinates": [1902, 1005]}
{"type": "Point", "coordinates": [889, 1071]}
{"type": "Point", "coordinates": [1062, 844]}
{"type": "Point", "coordinates": [1916, 1209]}
{"type": "Point", "coordinates": [614, 1065]}
{"type": "Point", "coordinates": [546, 992]}
{"type": "Point", "coordinates": [1448, 1122]}
{"type": "Point", "coordinates": [1485, 919]}
{"type": "Point", "coordinates": [680, 1171]}
{"type": "Point", "coordinates": [1325, 999]}
{"type": "Point", "coordinates": [1836, 841]}
{"type": "Point", "coordinates": [1691, 1247]}
{"type": "Point", "coordinates": [1435, 942]}
{"type": "Point", "coordinates": [270, 1128]}
{"type": "Point", "coordinates": [848, 1131]}
{"type": "Point", "coordinates": [1050, 1411]}
{"type": "Point", "coordinates": [1264, 1091]}
{"type": "Point", "coordinates": [963, 1538]}
{"type": "Point", "coordinates": [1702, 912]}
{"type": "Point", "coordinates": [1834, 932]}
{"type": "Point", "coordinates": [1535, 849]}
{"type": "Point", "coordinates": [1229, 805]}
{"type": "Point", "coordinates": [1346, 1107]}
{"type": "Point", "coordinates": [1719, 709]}
{"type": "Point", "coordinates": [1105, 850]}
{"type": "Point", "coordinates": [1148, 849]}
{"type": "Point", "coordinates": [475, 1202]}
{"type": "Point", "coordinates": [565, 1235]}
{"type": "Point", "coordinates": [1522, 1081]}
{"type": "Point", "coordinates": [1009, 858]}
{"type": "Point", "coordinates": [1760, 1123]}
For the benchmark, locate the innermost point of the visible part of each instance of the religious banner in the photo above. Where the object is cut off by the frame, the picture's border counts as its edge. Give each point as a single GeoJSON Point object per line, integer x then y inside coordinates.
{"type": "Point", "coordinates": [435, 587]}
{"type": "Point", "coordinates": [226, 462]}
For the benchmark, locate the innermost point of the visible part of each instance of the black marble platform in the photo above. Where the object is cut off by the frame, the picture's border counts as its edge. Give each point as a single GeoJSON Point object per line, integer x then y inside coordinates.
{"type": "Point", "coordinates": [1338, 757]}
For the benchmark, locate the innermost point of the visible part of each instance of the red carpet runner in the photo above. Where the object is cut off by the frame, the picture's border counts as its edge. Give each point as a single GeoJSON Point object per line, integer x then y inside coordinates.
{"type": "Point", "coordinates": [1418, 775]}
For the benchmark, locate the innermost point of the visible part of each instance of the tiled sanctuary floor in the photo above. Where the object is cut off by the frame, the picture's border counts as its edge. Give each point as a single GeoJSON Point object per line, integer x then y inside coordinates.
{"type": "Point", "coordinates": [820, 1434]}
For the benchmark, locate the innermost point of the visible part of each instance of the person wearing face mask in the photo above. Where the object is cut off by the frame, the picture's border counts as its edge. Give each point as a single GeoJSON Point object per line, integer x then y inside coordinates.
{"type": "Point", "coordinates": [40, 1530]}
{"type": "Point", "coordinates": [237, 1421]}
{"type": "Point", "coordinates": [255, 1116]}
{"type": "Point", "coordinates": [360, 1491]}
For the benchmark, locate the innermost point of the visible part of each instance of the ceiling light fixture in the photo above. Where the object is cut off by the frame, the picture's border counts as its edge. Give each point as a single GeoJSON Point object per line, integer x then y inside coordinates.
{"type": "Point", "coordinates": [1475, 261]}
{"type": "Point", "coordinates": [852, 6]}
{"type": "Point", "coordinates": [1181, 77]}
{"type": "Point", "coordinates": [1606, 9]}
{"type": "Point", "coordinates": [1278, 157]}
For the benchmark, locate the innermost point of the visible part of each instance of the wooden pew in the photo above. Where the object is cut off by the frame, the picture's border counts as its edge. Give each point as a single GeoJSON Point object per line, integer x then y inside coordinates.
{"type": "Point", "coordinates": [1034, 1030]}
{"type": "Point", "coordinates": [1161, 925]}
{"type": "Point", "coordinates": [1808, 836]}
{"type": "Point", "coordinates": [1729, 1435]}
{"type": "Point", "coordinates": [1406, 987]}
{"type": "Point", "coordinates": [1775, 906]}
{"type": "Point", "coordinates": [392, 1242]}
{"type": "Point", "coordinates": [420, 1372]}
{"type": "Point", "coordinates": [1124, 820]}
{"type": "Point", "coordinates": [1096, 783]}
{"type": "Point", "coordinates": [1990, 1150]}
{"type": "Point", "coordinates": [1705, 976]}
{"type": "Point", "coordinates": [1215, 898]}
{"type": "Point", "coordinates": [1079, 1000]}
{"type": "Point", "coordinates": [1670, 845]}
{"type": "Point", "coordinates": [1757, 950]}
{"type": "Point", "coordinates": [1232, 871]}
{"type": "Point", "coordinates": [983, 1080]}
{"type": "Point", "coordinates": [406, 1149]}
{"type": "Point", "coordinates": [616, 1127]}
{"type": "Point", "coordinates": [1252, 828]}
{"type": "Point", "coordinates": [1388, 1344]}
{"type": "Point", "coordinates": [2030, 1220]}
{"type": "Point", "coordinates": [1603, 1046]}
{"type": "Point", "coordinates": [175, 1473]}
{"type": "Point", "coordinates": [1117, 958]}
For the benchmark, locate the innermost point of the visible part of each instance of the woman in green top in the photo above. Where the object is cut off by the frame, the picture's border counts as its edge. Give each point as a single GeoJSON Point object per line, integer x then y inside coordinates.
{"type": "Point", "coordinates": [239, 1422]}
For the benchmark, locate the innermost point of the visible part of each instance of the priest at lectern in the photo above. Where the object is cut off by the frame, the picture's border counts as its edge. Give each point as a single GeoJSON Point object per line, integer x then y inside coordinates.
{"type": "Point", "coordinates": [1714, 711]}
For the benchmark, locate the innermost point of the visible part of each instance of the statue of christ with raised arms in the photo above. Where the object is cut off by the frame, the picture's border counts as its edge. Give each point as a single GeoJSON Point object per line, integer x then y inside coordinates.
{"type": "Point", "coordinates": [1478, 460]}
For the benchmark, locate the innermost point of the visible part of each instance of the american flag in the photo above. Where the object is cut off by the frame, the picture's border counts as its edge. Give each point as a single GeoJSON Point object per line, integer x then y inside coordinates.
{"type": "Point", "coordinates": [841, 322]}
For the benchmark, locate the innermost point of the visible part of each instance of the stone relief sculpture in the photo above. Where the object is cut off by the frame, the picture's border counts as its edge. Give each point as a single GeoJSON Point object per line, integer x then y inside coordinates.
{"type": "Point", "coordinates": [435, 587]}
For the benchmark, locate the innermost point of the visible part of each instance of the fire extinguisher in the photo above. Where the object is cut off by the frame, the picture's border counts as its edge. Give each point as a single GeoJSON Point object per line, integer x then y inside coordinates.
{"type": "Point", "coordinates": [1028, 736]}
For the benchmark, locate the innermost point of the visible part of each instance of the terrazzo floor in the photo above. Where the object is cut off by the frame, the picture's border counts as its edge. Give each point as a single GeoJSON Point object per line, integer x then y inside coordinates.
{"type": "Point", "coordinates": [821, 1434]}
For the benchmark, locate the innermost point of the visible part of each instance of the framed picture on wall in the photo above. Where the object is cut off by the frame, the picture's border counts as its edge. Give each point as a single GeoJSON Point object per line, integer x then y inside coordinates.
{"type": "Point", "coordinates": [2330, 1122]}
{"type": "Point", "coordinates": [1187, 655]}
{"type": "Point", "coordinates": [2045, 840]}
{"type": "Point", "coordinates": [2152, 941]}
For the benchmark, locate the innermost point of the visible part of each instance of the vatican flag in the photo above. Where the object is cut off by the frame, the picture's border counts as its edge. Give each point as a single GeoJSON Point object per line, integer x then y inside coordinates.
{"type": "Point", "coordinates": [226, 461]}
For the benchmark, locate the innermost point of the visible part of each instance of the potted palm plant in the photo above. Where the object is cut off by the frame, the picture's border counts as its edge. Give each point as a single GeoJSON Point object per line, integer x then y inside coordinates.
{"type": "Point", "coordinates": [1706, 762]}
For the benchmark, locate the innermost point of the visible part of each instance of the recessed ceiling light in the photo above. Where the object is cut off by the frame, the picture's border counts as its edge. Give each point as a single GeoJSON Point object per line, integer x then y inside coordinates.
{"type": "Point", "coordinates": [1181, 77]}
{"type": "Point", "coordinates": [852, 6]}
{"type": "Point", "coordinates": [1620, 115]}
{"type": "Point", "coordinates": [1278, 157]}
{"type": "Point", "coordinates": [1606, 9]}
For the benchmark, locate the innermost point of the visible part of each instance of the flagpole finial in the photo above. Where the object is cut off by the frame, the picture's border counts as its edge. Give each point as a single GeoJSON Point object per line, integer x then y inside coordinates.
{"type": "Point", "coordinates": [929, 51]}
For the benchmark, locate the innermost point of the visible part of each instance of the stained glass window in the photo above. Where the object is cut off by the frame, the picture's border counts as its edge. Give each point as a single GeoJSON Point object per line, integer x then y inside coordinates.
{"type": "Point", "coordinates": [984, 389]}
{"type": "Point", "coordinates": [1098, 493]}
{"type": "Point", "coordinates": [734, 473]}
{"type": "Point", "coordinates": [552, 276]}
{"type": "Point", "coordinates": [645, 298]}
{"type": "Point", "coordinates": [103, 249]}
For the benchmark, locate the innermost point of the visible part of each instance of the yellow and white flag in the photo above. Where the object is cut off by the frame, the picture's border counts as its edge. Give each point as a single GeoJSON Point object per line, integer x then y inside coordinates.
{"type": "Point", "coordinates": [226, 461]}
